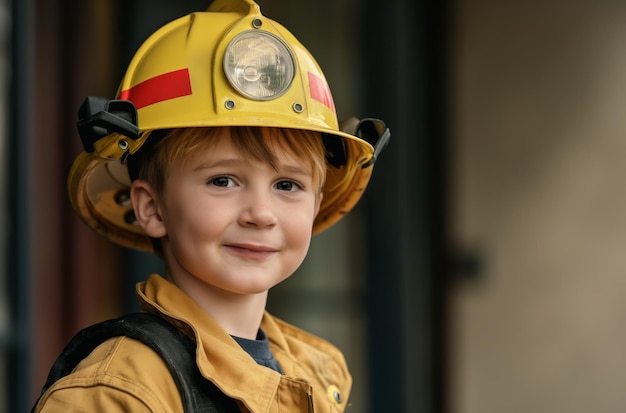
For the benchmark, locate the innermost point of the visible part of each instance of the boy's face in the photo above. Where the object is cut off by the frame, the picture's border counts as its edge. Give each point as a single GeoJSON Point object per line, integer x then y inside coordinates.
{"type": "Point", "coordinates": [232, 223]}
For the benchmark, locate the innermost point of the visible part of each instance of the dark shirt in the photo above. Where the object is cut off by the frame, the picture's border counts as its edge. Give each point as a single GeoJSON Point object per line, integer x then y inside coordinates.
{"type": "Point", "coordinates": [259, 350]}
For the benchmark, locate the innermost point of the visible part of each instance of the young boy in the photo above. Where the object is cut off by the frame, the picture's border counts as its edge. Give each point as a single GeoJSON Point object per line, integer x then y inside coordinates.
{"type": "Point", "coordinates": [225, 141]}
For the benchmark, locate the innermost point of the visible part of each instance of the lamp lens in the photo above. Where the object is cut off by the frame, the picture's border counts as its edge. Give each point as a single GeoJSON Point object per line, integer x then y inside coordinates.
{"type": "Point", "coordinates": [259, 65]}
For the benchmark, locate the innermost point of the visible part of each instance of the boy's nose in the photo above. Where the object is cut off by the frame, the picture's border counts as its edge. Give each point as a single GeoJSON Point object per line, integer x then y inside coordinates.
{"type": "Point", "coordinates": [258, 212]}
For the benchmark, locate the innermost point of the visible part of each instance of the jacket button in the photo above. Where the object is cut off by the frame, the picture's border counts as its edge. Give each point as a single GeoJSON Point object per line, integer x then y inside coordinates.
{"type": "Point", "coordinates": [334, 395]}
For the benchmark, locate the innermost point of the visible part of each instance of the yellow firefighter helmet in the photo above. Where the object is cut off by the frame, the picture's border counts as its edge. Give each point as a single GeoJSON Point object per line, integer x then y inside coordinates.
{"type": "Point", "coordinates": [228, 66]}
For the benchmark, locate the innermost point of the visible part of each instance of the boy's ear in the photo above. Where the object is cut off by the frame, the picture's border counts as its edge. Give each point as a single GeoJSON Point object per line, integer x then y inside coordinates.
{"type": "Point", "coordinates": [146, 206]}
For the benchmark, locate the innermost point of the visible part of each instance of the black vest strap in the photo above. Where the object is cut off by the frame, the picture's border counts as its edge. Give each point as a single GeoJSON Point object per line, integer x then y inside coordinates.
{"type": "Point", "coordinates": [198, 394]}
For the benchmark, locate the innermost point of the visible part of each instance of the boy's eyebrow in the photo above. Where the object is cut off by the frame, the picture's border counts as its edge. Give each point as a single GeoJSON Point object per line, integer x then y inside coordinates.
{"type": "Point", "coordinates": [296, 169]}
{"type": "Point", "coordinates": [288, 168]}
{"type": "Point", "coordinates": [221, 162]}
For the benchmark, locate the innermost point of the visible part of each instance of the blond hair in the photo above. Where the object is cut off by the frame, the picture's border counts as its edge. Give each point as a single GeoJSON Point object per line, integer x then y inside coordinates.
{"type": "Point", "coordinates": [257, 143]}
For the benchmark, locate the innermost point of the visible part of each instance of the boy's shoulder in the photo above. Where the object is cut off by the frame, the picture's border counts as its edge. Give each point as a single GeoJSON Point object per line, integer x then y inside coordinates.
{"type": "Point", "coordinates": [119, 371]}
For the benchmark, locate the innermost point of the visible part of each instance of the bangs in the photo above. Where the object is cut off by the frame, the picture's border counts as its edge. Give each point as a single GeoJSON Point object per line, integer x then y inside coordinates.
{"type": "Point", "coordinates": [254, 143]}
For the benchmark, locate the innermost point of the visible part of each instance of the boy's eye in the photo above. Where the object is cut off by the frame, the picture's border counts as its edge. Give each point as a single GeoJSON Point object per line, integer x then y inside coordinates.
{"type": "Point", "coordinates": [221, 181]}
{"type": "Point", "coordinates": [288, 186]}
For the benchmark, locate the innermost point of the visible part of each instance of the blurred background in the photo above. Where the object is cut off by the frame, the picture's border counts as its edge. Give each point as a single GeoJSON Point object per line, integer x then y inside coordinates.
{"type": "Point", "coordinates": [484, 269]}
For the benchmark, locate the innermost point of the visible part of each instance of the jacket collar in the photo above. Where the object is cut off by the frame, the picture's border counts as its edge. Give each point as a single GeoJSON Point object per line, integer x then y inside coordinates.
{"type": "Point", "coordinates": [219, 357]}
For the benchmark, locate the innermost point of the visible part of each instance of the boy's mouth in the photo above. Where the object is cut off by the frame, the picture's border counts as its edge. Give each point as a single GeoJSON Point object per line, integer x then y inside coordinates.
{"type": "Point", "coordinates": [251, 250]}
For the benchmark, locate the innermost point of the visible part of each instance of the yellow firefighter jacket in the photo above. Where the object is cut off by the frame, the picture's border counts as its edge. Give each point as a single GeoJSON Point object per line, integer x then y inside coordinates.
{"type": "Point", "coordinates": [124, 375]}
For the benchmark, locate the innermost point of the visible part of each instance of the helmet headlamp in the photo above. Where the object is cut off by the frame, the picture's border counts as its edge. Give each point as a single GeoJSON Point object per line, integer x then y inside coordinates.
{"type": "Point", "coordinates": [259, 65]}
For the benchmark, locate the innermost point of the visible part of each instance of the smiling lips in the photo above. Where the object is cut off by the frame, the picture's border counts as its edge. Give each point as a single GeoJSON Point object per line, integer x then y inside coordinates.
{"type": "Point", "coordinates": [251, 251]}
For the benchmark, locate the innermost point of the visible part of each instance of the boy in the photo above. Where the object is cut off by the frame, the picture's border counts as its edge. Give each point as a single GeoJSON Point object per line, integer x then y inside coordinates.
{"type": "Point", "coordinates": [224, 139]}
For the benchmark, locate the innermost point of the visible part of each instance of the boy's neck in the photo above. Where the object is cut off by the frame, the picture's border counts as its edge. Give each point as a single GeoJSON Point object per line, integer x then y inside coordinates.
{"type": "Point", "coordinates": [238, 314]}
{"type": "Point", "coordinates": [240, 317]}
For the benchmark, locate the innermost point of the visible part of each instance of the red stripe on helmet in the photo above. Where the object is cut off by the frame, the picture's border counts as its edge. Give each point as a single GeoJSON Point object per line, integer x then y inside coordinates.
{"type": "Point", "coordinates": [319, 91]}
{"type": "Point", "coordinates": [159, 88]}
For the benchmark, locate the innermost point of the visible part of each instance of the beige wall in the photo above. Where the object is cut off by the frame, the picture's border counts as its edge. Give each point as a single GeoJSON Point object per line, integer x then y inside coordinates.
{"type": "Point", "coordinates": [539, 173]}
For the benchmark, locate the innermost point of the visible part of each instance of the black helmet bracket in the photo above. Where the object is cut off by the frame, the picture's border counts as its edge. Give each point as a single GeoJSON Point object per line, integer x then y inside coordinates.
{"type": "Point", "coordinates": [99, 117]}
